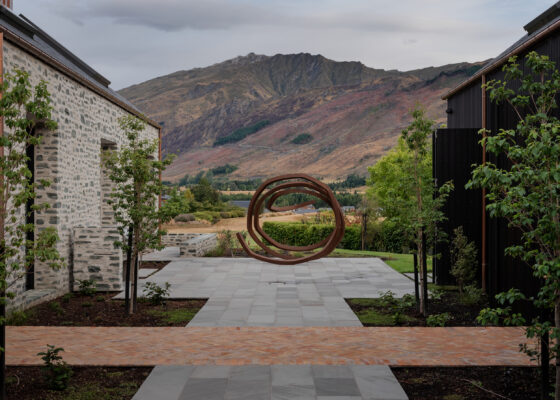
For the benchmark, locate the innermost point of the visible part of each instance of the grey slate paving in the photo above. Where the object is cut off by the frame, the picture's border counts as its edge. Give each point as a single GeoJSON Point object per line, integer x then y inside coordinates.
{"type": "Point", "coordinates": [247, 292]}
{"type": "Point", "coordinates": [278, 382]}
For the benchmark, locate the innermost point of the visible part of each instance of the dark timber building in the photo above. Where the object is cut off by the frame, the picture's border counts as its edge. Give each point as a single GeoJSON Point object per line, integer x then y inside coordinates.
{"type": "Point", "coordinates": [456, 149]}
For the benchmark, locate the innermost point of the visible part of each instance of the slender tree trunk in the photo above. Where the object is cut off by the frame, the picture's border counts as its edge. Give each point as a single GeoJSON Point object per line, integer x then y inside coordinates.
{"type": "Point", "coordinates": [3, 346]}
{"type": "Point", "coordinates": [127, 272]}
{"type": "Point", "coordinates": [421, 273]}
{"type": "Point", "coordinates": [557, 325]}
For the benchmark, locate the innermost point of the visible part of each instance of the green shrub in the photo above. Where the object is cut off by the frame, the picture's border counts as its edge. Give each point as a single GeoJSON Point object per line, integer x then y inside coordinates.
{"type": "Point", "coordinates": [296, 234]}
{"type": "Point", "coordinates": [185, 218]}
{"type": "Point", "coordinates": [438, 319]}
{"type": "Point", "coordinates": [472, 295]}
{"type": "Point", "coordinates": [303, 138]}
{"type": "Point", "coordinates": [157, 294]}
{"type": "Point", "coordinates": [100, 298]}
{"type": "Point", "coordinates": [56, 308]}
{"type": "Point", "coordinates": [66, 298]}
{"type": "Point", "coordinates": [17, 318]}
{"type": "Point", "coordinates": [87, 287]}
{"type": "Point", "coordinates": [463, 259]}
{"type": "Point", "coordinates": [56, 372]}
{"type": "Point", "coordinates": [241, 133]}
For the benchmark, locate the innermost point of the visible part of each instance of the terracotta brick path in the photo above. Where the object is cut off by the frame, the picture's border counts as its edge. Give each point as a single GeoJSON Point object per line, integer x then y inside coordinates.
{"type": "Point", "coordinates": [270, 345]}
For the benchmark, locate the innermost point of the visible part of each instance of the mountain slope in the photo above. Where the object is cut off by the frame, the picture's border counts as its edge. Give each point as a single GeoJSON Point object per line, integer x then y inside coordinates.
{"type": "Point", "coordinates": [348, 113]}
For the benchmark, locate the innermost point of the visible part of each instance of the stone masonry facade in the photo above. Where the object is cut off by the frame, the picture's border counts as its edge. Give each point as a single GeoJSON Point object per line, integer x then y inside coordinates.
{"type": "Point", "coordinates": [70, 158]}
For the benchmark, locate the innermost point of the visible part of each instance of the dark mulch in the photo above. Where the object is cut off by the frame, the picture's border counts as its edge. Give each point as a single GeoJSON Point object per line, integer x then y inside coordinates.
{"type": "Point", "coordinates": [86, 383]}
{"type": "Point", "coordinates": [462, 383]}
{"type": "Point", "coordinates": [154, 264]}
{"type": "Point", "coordinates": [450, 302]}
{"type": "Point", "coordinates": [101, 310]}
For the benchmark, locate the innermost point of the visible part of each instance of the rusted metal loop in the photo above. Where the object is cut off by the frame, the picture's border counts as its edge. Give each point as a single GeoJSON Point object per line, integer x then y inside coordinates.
{"type": "Point", "coordinates": [296, 183]}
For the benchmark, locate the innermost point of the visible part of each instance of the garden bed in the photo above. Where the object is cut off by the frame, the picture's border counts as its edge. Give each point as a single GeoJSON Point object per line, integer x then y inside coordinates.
{"type": "Point", "coordinates": [448, 309]}
{"type": "Point", "coordinates": [100, 309]}
{"type": "Point", "coordinates": [86, 383]}
{"type": "Point", "coordinates": [470, 383]}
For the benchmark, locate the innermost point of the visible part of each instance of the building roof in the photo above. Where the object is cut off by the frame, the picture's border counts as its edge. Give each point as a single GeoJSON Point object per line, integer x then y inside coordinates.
{"type": "Point", "coordinates": [537, 29]}
{"type": "Point", "coordinates": [23, 33]}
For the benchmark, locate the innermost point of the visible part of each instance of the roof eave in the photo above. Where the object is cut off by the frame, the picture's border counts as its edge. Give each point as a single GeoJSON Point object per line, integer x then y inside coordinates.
{"type": "Point", "coordinates": [26, 46]}
{"type": "Point", "coordinates": [498, 63]}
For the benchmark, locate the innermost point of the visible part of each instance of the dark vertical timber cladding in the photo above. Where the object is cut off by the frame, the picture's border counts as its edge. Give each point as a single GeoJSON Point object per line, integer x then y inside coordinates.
{"type": "Point", "coordinates": [455, 151]}
{"type": "Point", "coordinates": [503, 272]}
{"type": "Point", "coordinates": [465, 108]}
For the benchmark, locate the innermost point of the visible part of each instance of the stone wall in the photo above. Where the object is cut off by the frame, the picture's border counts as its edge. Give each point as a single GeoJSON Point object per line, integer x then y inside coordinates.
{"type": "Point", "coordinates": [96, 258]}
{"type": "Point", "coordinates": [177, 239]}
{"type": "Point", "coordinates": [70, 158]}
{"type": "Point", "coordinates": [199, 245]}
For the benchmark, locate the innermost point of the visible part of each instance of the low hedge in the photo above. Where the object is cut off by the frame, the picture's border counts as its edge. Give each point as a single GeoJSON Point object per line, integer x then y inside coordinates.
{"type": "Point", "coordinates": [296, 234]}
{"type": "Point", "coordinates": [384, 236]}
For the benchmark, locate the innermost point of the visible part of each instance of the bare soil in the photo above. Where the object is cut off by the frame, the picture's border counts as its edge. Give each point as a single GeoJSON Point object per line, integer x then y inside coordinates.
{"type": "Point", "coordinates": [470, 383]}
{"type": "Point", "coordinates": [101, 310]}
{"type": "Point", "coordinates": [461, 314]}
{"type": "Point", "coordinates": [99, 383]}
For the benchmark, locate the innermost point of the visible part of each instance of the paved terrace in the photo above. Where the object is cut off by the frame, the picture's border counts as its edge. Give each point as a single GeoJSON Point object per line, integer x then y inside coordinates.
{"type": "Point", "coordinates": [247, 292]}
{"type": "Point", "coordinates": [272, 332]}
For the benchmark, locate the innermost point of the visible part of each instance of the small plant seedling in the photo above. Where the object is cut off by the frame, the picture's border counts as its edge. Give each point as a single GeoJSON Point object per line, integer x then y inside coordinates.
{"type": "Point", "coordinates": [157, 294]}
{"type": "Point", "coordinates": [100, 299]}
{"type": "Point", "coordinates": [56, 308]}
{"type": "Point", "coordinates": [87, 287]}
{"type": "Point", "coordinates": [55, 370]}
{"type": "Point", "coordinates": [17, 318]}
{"type": "Point", "coordinates": [66, 298]}
{"type": "Point", "coordinates": [438, 319]}
{"type": "Point", "coordinates": [87, 304]}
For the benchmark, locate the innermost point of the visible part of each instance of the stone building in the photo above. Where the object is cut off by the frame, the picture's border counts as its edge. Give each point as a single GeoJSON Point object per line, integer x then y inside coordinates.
{"type": "Point", "coordinates": [87, 111]}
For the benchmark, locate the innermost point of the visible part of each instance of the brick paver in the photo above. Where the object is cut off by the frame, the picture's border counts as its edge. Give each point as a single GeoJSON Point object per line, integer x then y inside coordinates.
{"type": "Point", "coordinates": [415, 346]}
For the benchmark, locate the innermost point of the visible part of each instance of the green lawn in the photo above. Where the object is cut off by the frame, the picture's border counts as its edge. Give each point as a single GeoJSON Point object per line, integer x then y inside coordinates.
{"type": "Point", "coordinates": [399, 262]}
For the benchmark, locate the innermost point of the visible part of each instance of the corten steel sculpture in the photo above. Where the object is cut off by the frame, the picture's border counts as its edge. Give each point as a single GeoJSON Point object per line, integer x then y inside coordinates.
{"type": "Point", "coordinates": [287, 184]}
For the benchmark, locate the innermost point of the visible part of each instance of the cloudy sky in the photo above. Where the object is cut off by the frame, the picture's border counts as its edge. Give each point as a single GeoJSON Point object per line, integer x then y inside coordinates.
{"type": "Point", "coordinates": [130, 41]}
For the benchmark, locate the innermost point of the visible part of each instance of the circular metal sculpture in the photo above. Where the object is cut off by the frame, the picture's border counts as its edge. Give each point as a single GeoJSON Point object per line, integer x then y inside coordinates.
{"type": "Point", "coordinates": [265, 196]}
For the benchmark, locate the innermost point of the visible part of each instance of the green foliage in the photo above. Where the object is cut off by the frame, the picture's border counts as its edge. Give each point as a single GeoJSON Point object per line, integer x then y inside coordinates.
{"type": "Point", "coordinates": [241, 133]}
{"type": "Point", "coordinates": [503, 315]}
{"type": "Point", "coordinates": [56, 307]}
{"type": "Point", "coordinates": [100, 298]}
{"type": "Point", "coordinates": [178, 203]}
{"type": "Point", "coordinates": [87, 287]}
{"type": "Point", "coordinates": [526, 192]}
{"type": "Point", "coordinates": [302, 138]}
{"type": "Point", "coordinates": [18, 318]}
{"type": "Point", "coordinates": [351, 181]}
{"type": "Point", "coordinates": [204, 192]}
{"type": "Point", "coordinates": [185, 218]}
{"type": "Point", "coordinates": [224, 169]}
{"type": "Point", "coordinates": [472, 295]}
{"type": "Point", "coordinates": [135, 173]}
{"type": "Point", "coordinates": [438, 319]}
{"type": "Point", "coordinates": [56, 372]}
{"type": "Point", "coordinates": [401, 184]}
{"type": "Point", "coordinates": [296, 234]}
{"type": "Point", "coordinates": [384, 238]}
{"type": "Point", "coordinates": [171, 317]}
{"type": "Point", "coordinates": [66, 298]}
{"type": "Point", "coordinates": [156, 294]}
{"type": "Point", "coordinates": [22, 107]}
{"type": "Point", "coordinates": [463, 259]}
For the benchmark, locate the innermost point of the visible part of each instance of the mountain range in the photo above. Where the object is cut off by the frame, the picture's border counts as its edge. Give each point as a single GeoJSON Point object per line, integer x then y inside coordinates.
{"type": "Point", "coordinates": [269, 115]}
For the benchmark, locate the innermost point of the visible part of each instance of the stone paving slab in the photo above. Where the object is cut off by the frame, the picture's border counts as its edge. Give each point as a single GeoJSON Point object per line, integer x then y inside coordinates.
{"type": "Point", "coordinates": [402, 346]}
{"type": "Point", "coordinates": [274, 382]}
{"type": "Point", "coordinates": [248, 292]}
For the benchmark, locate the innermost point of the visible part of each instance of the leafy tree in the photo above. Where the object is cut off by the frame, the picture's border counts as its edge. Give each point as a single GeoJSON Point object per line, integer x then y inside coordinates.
{"type": "Point", "coordinates": [22, 108]}
{"type": "Point", "coordinates": [463, 259]}
{"type": "Point", "coordinates": [204, 192]}
{"type": "Point", "coordinates": [403, 187]}
{"type": "Point", "coordinates": [527, 191]}
{"type": "Point", "coordinates": [136, 175]}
